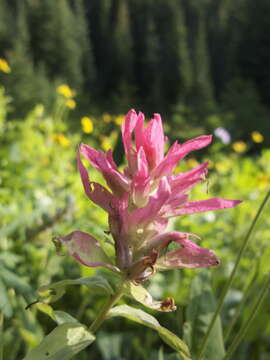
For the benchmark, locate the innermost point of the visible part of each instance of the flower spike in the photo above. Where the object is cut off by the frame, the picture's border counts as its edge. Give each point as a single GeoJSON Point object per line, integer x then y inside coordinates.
{"type": "Point", "coordinates": [140, 201]}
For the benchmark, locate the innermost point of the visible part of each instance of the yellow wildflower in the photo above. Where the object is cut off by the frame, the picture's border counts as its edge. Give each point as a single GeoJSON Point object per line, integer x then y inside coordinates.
{"type": "Point", "coordinates": [4, 66]}
{"type": "Point", "coordinates": [65, 91]}
{"type": "Point", "coordinates": [257, 137]}
{"type": "Point", "coordinates": [107, 117]}
{"type": "Point", "coordinates": [87, 125]}
{"type": "Point", "coordinates": [263, 181]}
{"type": "Point", "coordinates": [239, 146]}
{"type": "Point", "coordinates": [119, 119]}
{"type": "Point", "coordinates": [105, 143]}
{"type": "Point", "coordinates": [70, 103]}
{"type": "Point", "coordinates": [61, 139]}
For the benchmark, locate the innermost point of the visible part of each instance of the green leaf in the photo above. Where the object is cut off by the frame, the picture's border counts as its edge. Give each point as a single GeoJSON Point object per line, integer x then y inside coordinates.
{"type": "Point", "coordinates": [60, 317]}
{"type": "Point", "coordinates": [140, 294]}
{"type": "Point", "coordinates": [46, 309]}
{"type": "Point", "coordinates": [62, 343]}
{"type": "Point", "coordinates": [110, 345]}
{"type": "Point", "coordinates": [14, 281]}
{"type": "Point", "coordinates": [5, 305]}
{"type": "Point", "coordinates": [145, 319]}
{"type": "Point", "coordinates": [53, 292]}
{"type": "Point", "coordinates": [199, 313]}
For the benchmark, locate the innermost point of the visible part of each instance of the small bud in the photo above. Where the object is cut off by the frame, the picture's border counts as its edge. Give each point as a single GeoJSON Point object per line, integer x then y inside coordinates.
{"type": "Point", "coordinates": [168, 305]}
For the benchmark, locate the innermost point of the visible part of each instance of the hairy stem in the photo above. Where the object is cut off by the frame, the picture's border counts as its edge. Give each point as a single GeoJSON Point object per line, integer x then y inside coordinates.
{"type": "Point", "coordinates": [232, 276]}
{"type": "Point", "coordinates": [106, 308]}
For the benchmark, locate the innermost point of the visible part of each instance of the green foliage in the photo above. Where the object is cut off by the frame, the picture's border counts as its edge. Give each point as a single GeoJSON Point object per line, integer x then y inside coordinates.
{"type": "Point", "coordinates": [53, 292]}
{"type": "Point", "coordinates": [199, 312]}
{"type": "Point", "coordinates": [145, 319]}
{"type": "Point", "coordinates": [42, 196]}
{"type": "Point", "coordinates": [63, 342]}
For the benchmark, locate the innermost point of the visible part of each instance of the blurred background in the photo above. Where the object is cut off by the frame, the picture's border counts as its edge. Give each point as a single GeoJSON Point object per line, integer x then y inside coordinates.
{"type": "Point", "coordinates": [69, 70]}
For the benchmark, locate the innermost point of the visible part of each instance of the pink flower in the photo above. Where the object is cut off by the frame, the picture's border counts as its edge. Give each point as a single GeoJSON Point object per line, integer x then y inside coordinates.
{"type": "Point", "coordinates": [140, 201]}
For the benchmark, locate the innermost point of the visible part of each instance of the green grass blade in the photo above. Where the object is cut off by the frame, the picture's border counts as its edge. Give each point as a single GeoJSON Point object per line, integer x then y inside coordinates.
{"type": "Point", "coordinates": [238, 338]}
{"type": "Point", "coordinates": [232, 276]}
{"type": "Point", "coordinates": [247, 292]}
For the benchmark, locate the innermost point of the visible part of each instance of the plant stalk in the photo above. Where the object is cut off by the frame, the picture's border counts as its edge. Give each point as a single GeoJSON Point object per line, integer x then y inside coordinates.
{"type": "Point", "coordinates": [106, 308]}
{"type": "Point", "coordinates": [232, 276]}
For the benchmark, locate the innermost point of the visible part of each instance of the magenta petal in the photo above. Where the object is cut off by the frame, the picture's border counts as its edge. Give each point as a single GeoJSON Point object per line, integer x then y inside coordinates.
{"type": "Point", "coordinates": [91, 155]}
{"type": "Point", "coordinates": [109, 157]}
{"type": "Point", "coordinates": [207, 205]}
{"type": "Point", "coordinates": [195, 144]}
{"type": "Point", "coordinates": [161, 241]}
{"type": "Point", "coordinates": [127, 129]}
{"type": "Point", "coordinates": [151, 210]}
{"type": "Point", "coordinates": [86, 249]}
{"type": "Point", "coordinates": [175, 202]}
{"type": "Point", "coordinates": [96, 192]}
{"type": "Point", "coordinates": [189, 256]}
{"type": "Point", "coordinates": [168, 164]}
{"type": "Point", "coordinates": [154, 141]}
{"type": "Point", "coordinates": [139, 131]}
{"type": "Point", "coordinates": [142, 165]}
{"type": "Point", "coordinates": [184, 181]}
{"type": "Point", "coordinates": [140, 185]}
{"type": "Point", "coordinates": [178, 152]}
{"type": "Point", "coordinates": [118, 182]}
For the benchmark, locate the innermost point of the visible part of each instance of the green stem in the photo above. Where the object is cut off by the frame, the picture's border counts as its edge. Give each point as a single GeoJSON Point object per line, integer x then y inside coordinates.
{"type": "Point", "coordinates": [106, 308]}
{"type": "Point", "coordinates": [232, 276]}
{"type": "Point", "coordinates": [252, 316]}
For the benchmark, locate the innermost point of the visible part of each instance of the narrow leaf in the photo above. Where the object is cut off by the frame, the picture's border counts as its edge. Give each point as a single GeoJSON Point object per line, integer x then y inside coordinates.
{"type": "Point", "coordinates": [199, 313]}
{"type": "Point", "coordinates": [60, 317]}
{"type": "Point", "coordinates": [145, 319]}
{"type": "Point", "coordinates": [140, 294]}
{"type": "Point", "coordinates": [53, 292]}
{"type": "Point", "coordinates": [62, 343]}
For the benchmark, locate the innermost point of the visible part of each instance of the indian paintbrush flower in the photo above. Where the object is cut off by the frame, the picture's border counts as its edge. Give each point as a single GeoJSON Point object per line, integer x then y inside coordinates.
{"type": "Point", "coordinates": [141, 200]}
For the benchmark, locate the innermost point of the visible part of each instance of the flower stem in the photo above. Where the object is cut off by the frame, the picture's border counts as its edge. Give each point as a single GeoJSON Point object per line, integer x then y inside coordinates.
{"type": "Point", "coordinates": [232, 276]}
{"type": "Point", "coordinates": [106, 308]}
{"type": "Point", "coordinates": [253, 313]}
